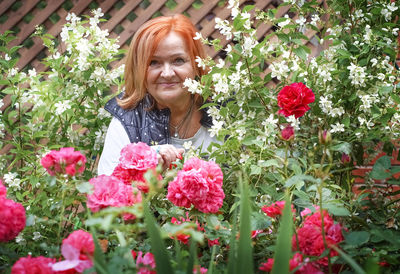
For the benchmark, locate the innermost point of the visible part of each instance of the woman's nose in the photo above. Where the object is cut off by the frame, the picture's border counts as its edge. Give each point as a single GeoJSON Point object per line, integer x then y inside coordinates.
{"type": "Point", "coordinates": [167, 70]}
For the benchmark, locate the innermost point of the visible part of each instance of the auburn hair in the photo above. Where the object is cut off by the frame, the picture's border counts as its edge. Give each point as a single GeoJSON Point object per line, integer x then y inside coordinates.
{"type": "Point", "coordinates": [142, 47]}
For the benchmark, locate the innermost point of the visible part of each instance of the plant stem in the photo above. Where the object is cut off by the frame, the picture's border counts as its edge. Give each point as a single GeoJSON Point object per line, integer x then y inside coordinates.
{"type": "Point", "coordinates": [64, 192]}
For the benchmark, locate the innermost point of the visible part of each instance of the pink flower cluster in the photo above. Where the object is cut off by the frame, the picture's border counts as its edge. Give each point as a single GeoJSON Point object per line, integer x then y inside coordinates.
{"type": "Point", "coordinates": [64, 161]}
{"type": "Point", "coordinates": [110, 191]}
{"type": "Point", "coordinates": [294, 262]}
{"type": "Point", "coordinates": [146, 263]}
{"type": "Point", "coordinates": [275, 209]}
{"type": "Point", "coordinates": [182, 236]}
{"type": "Point", "coordinates": [30, 264]}
{"type": "Point", "coordinates": [309, 238]}
{"type": "Point", "coordinates": [78, 250]}
{"type": "Point", "coordinates": [198, 183]}
{"type": "Point", "coordinates": [136, 159]}
{"type": "Point", "coordinates": [12, 216]}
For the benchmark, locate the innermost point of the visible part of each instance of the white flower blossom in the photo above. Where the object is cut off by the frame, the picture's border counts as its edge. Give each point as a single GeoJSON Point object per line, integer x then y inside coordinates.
{"type": "Point", "coordinates": [192, 85]}
{"type": "Point", "coordinates": [200, 62]}
{"type": "Point", "coordinates": [243, 157]}
{"type": "Point", "coordinates": [284, 22]}
{"type": "Point", "coordinates": [2, 131]}
{"type": "Point", "coordinates": [314, 20]}
{"type": "Point", "coordinates": [357, 74]}
{"type": "Point", "coordinates": [294, 122]}
{"type": "Point", "coordinates": [198, 36]}
{"type": "Point", "coordinates": [12, 181]}
{"type": "Point", "coordinates": [62, 106]}
{"type": "Point", "coordinates": [338, 127]}
{"type": "Point", "coordinates": [20, 239]}
{"type": "Point", "coordinates": [223, 27]}
{"type": "Point", "coordinates": [188, 145]}
{"type": "Point", "coordinates": [6, 57]}
{"type": "Point", "coordinates": [216, 127]}
{"type": "Point", "coordinates": [36, 236]}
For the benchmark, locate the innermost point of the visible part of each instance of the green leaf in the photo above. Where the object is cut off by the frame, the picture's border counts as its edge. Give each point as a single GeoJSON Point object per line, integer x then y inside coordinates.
{"type": "Point", "coordinates": [85, 187]}
{"type": "Point", "coordinates": [337, 210]}
{"type": "Point", "coordinates": [232, 245]}
{"type": "Point", "coordinates": [161, 256]}
{"type": "Point", "coordinates": [357, 238]}
{"type": "Point", "coordinates": [349, 260]}
{"type": "Point", "coordinates": [255, 170]}
{"type": "Point", "coordinates": [301, 53]}
{"type": "Point", "coordinates": [244, 262]}
{"type": "Point", "coordinates": [298, 179]}
{"type": "Point", "coordinates": [380, 170]}
{"type": "Point", "coordinates": [284, 242]}
{"type": "Point", "coordinates": [100, 263]}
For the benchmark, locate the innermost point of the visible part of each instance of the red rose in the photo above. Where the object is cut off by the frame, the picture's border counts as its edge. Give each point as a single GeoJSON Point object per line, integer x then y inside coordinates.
{"type": "Point", "coordinates": [287, 133]}
{"type": "Point", "coordinates": [30, 264]}
{"type": "Point", "coordinates": [294, 100]}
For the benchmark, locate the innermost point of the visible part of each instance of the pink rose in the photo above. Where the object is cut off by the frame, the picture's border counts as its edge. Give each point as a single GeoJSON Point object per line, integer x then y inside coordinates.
{"type": "Point", "coordinates": [294, 262]}
{"type": "Point", "coordinates": [310, 240]}
{"type": "Point", "coordinates": [176, 196]}
{"type": "Point", "coordinates": [198, 183]}
{"type": "Point", "coordinates": [138, 156]}
{"type": "Point", "coordinates": [287, 133]}
{"type": "Point", "coordinates": [3, 190]}
{"type": "Point", "coordinates": [275, 209]}
{"type": "Point", "coordinates": [78, 250]}
{"type": "Point", "coordinates": [12, 219]}
{"type": "Point", "coordinates": [146, 263]}
{"type": "Point", "coordinates": [33, 265]}
{"type": "Point", "coordinates": [109, 191]}
{"type": "Point", "coordinates": [64, 161]}
{"type": "Point", "coordinates": [197, 269]}
{"type": "Point", "coordinates": [294, 100]}
{"type": "Point", "coordinates": [307, 211]}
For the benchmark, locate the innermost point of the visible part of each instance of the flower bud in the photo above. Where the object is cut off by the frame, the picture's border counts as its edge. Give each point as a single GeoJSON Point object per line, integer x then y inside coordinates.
{"type": "Point", "coordinates": [324, 137]}
{"type": "Point", "coordinates": [345, 158]}
{"type": "Point", "coordinates": [287, 133]}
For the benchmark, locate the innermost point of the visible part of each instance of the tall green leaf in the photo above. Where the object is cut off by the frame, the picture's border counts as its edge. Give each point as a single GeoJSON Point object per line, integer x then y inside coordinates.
{"type": "Point", "coordinates": [192, 256]}
{"type": "Point", "coordinates": [163, 264]}
{"type": "Point", "coordinates": [283, 246]}
{"type": "Point", "coordinates": [349, 260]}
{"type": "Point", "coordinates": [100, 263]}
{"type": "Point", "coordinates": [232, 246]}
{"type": "Point", "coordinates": [245, 250]}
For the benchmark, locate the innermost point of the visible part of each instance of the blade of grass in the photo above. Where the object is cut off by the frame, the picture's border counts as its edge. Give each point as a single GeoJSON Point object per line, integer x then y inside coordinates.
{"type": "Point", "coordinates": [284, 242]}
{"type": "Point", "coordinates": [211, 265]}
{"type": "Point", "coordinates": [245, 250]}
{"type": "Point", "coordinates": [232, 246]}
{"type": "Point", "coordinates": [100, 263]}
{"type": "Point", "coordinates": [163, 263]}
{"type": "Point", "coordinates": [349, 260]}
{"type": "Point", "coordinates": [192, 257]}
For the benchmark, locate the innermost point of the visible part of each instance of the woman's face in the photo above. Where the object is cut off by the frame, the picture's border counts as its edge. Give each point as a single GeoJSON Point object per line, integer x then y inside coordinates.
{"type": "Point", "coordinates": [169, 67]}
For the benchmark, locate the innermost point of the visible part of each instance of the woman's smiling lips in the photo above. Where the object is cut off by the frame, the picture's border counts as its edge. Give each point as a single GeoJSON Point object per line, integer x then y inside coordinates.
{"type": "Point", "coordinates": [168, 85]}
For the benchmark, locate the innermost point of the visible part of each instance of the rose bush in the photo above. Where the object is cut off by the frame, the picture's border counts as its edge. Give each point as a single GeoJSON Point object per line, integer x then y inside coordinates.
{"type": "Point", "coordinates": [342, 104]}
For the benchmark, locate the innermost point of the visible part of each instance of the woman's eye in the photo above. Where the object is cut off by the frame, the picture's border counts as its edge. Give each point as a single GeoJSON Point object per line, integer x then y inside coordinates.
{"type": "Point", "coordinates": [179, 61]}
{"type": "Point", "coordinates": [153, 62]}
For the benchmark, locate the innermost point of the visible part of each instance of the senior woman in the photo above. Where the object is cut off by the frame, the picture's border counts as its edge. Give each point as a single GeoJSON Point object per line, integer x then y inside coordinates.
{"type": "Point", "coordinates": [155, 108]}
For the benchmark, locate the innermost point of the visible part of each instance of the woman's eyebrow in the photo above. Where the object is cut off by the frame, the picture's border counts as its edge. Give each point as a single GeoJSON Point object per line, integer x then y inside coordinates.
{"type": "Point", "coordinates": [172, 55]}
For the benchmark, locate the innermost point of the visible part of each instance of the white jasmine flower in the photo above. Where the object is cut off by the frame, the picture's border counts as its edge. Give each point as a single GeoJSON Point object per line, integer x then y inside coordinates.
{"type": "Point", "coordinates": [198, 36]}
{"type": "Point", "coordinates": [216, 127]}
{"type": "Point", "coordinates": [314, 19]}
{"type": "Point", "coordinates": [223, 27]}
{"type": "Point", "coordinates": [192, 85]}
{"type": "Point", "coordinates": [243, 157]}
{"type": "Point", "coordinates": [285, 22]}
{"type": "Point", "coordinates": [187, 145]}
{"type": "Point", "coordinates": [32, 72]}
{"type": "Point", "coordinates": [62, 106]}
{"type": "Point", "coordinates": [228, 48]}
{"type": "Point", "coordinates": [97, 13]}
{"type": "Point", "coordinates": [200, 62]}
{"type": "Point", "coordinates": [20, 239]}
{"type": "Point", "coordinates": [337, 127]}
{"type": "Point", "coordinates": [220, 64]}
{"type": "Point", "coordinates": [368, 33]}
{"type": "Point", "coordinates": [374, 62]}
{"type": "Point", "coordinates": [36, 236]}
{"type": "Point", "coordinates": [12, 181]}
{"type": "Point", "coordinates": [395, 31]}
{"type": "Point", "coordinates": [6, 57]}
{"type": "Point", "coordinates": [295, 123]}
{"type": "Point", "coordinates": [2, 132]}
{"type": "Point", "coordinates": [12, 72]}
{"type": "Point", "coordinates": [357, 74]}
{"type": "Point", "coordinates": [337, 112]}
{"type": "Point", "coordinates": [301, 21]}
